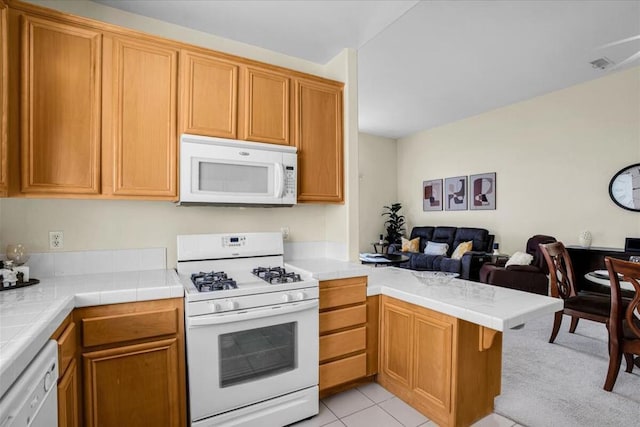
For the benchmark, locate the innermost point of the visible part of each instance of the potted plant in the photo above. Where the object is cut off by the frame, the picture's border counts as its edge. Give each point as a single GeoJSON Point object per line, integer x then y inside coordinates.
{"type": "Point", "coordinates": [394, 223]}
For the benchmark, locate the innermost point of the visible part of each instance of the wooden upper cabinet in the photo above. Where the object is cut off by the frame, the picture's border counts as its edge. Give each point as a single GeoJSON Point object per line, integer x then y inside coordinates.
{"type": "Point", "coordinates": [318, 112]}
{"type": "Point", "coordinates": [266, 112]}
{"type": "Point", "coordinates": [60, 99]}
{"type": "Point", "coordinates": [140, 117]}
{"type": "Point", "coordinates": [4, 76]}
{"type": "Point", "coordinates": [209, 95]}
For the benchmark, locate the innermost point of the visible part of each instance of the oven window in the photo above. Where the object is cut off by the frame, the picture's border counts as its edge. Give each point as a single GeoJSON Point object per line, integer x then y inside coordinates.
{"type": "Point", "coordinates": [230, 178]}
{"type": "Point", "coordinates": [257, 353]}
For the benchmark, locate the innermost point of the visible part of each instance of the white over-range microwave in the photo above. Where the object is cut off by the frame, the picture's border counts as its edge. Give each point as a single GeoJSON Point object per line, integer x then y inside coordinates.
{"type": "Point", "coordinates": [236, 173]}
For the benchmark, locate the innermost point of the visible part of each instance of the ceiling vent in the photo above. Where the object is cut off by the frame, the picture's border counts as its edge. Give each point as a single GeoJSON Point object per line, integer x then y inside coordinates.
{"type": "Point", "coordinates": [602, 63]}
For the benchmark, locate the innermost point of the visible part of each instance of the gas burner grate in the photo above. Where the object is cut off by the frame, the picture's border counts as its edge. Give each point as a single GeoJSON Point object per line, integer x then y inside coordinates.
{"type": "Point", "coordinates": [212, 281]}
{"type": "Point", "coordinates": [276, 275]}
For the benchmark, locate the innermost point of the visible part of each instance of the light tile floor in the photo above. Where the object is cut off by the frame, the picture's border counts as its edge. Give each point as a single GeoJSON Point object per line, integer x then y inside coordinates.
{"type": "Point", "coordinates": [371, 405]}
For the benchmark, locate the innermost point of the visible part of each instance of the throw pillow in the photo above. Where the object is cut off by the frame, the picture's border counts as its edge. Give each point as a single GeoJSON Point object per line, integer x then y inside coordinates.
{"type": "Point", "coordinates": [410, 245]}
{"type": "Point", "coordinates": [461, 249]}
{"type": "Point", "coordinates": [434, 248]}
{"type": "Point", "coordinates": [519, 258]}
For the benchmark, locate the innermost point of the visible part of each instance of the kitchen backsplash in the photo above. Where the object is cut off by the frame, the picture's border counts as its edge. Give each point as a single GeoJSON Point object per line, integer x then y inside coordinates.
{"type": "Point", "coordinates": [308, 250]}
{"type": "Point", "coordinates": [47, 264]}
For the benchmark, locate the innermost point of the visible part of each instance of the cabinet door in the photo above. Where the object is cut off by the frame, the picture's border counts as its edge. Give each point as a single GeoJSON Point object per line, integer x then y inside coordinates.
{"type": "Point", "coordinates": [60, 100]}
{"type": "Point", "coordinates": [142, 89]}
{"type": "Point", "coordinates": [266, 106]}
{"type": "Point", "coordinates": [4, 76]}
{"type": "Point", "coordinates": [397, 342]}
{"type": "Point", "coordinates": [68, 397]}
{"type": "Point", "coordinates": [133, 385]}
{"type": "Point", "coordinates": [432, 361]}
{"type": "Point", "coordinates": [319, 141]}
{"type": "Point", "coordinates": [209, 95]}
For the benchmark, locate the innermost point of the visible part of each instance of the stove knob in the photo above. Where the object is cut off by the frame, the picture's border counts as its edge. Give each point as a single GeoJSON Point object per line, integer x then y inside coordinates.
{"type": "Point", "coordinates": [300, 296]}
{"type": "Point", "coordinates": [231, 305]}
{"type": "Point", "coordinates": [286, 298]}
{"type": "Point", "coordinates": [213, 307]}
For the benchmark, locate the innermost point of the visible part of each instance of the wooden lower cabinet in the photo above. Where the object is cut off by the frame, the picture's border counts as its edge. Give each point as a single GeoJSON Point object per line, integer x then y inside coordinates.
{"type": "Point", "coordinates": [122, 365]}
{"type": "Point", "coordinates": [135, 385]}
{"type": "Point", "coordinates": [446, 368]}
{"type": "Point", "coordinates": [68, 409]}
{"type": "Point", "coordinates": [133, 364]}
{"type": "Point", "coordinates": [68, 397]}
{"type": "Point", "coordinates": [348, 334]}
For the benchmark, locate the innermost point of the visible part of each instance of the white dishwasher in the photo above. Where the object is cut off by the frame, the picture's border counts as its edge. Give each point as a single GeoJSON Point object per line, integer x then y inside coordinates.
{"type": "Point", "coordinates": [33, 399]}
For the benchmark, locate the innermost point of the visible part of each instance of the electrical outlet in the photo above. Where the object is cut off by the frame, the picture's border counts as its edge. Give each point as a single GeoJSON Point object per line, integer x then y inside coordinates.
{"type": "Point", "coordinates": [285, 233]}
{"type": "Point", "coordinates": [56, 240]}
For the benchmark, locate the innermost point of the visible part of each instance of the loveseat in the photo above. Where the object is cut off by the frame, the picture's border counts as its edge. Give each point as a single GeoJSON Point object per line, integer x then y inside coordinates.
{"type": "Point", "coordinates": [468, 266]}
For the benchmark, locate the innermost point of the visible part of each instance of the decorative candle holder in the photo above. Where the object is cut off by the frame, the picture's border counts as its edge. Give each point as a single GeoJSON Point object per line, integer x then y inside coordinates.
{"type": "Point", "coordinates": [584, 238]}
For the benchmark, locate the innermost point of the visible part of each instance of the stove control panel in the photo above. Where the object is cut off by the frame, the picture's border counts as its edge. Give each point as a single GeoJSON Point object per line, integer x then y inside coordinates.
{"type": "Point", "coordinates": [233, 241]}
{"type": "Point", "coordinates": [222, 305]}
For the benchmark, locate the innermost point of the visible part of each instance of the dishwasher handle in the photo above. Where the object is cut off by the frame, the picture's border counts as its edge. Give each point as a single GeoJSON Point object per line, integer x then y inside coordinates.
{"type": "Point", "coordinates": [240, 316]}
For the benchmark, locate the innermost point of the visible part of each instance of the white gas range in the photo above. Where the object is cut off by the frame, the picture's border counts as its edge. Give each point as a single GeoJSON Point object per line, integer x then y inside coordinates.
{"type": "Point", "coordinates": [251, 331]}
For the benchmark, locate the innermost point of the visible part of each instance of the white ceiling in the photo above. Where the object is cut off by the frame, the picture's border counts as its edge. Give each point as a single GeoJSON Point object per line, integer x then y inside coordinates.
{"type": "Point", "coordinates": [427, 63]}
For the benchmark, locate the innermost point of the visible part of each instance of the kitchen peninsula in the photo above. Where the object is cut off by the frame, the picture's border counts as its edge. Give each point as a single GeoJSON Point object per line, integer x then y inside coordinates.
{"type": "Point", "coordinates": [440, 344]}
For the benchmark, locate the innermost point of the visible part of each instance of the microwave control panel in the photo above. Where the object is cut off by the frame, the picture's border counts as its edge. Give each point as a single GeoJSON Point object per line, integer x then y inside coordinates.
{"type": "Point", "coordinates": [289, 180]}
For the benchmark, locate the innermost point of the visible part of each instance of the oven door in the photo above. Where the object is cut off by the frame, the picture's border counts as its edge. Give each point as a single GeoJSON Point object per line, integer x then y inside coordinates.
{"type": "Point", "coordinates": [241, 358]}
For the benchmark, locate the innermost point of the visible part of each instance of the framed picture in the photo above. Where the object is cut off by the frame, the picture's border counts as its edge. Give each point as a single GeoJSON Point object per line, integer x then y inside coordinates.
{"type": "Point", "coordinates": [455, 193]}
{"type": "Point", "coordinates": [432, 195]}
{"type": "Point", "coordinates": [482, 189]}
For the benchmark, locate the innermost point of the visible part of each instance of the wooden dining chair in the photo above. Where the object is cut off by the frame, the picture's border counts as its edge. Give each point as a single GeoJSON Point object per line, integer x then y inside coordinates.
{"type": "Point", "coordinates": [624, 325]}
{"type": "Point", "coordinates": [578, 305]}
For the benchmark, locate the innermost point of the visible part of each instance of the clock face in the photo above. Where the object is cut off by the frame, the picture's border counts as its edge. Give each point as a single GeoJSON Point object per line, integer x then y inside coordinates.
{"type": "Point", "coordinates": [624, 188]}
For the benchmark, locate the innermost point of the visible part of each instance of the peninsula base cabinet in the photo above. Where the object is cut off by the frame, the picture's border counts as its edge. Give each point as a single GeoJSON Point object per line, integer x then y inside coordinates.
{"type": "Point", "coordinates": [447, 368]}
{"type": "Point", "coordinates": [348, 334]}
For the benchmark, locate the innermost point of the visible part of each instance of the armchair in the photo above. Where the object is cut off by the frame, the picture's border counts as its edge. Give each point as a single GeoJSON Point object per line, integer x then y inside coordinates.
{"type": "Point", "coordinates": [529, 278]}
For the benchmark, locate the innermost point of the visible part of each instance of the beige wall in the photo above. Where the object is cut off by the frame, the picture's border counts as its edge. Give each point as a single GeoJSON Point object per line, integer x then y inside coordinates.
{"type": "Point", "coordinates": [131, 224]}
{"type": "Point", "coordinates": [378, 185]}
{"type": "Point", "coordinates": [554, 156]}
{"type": "Point", "coordinates": [108, 224]}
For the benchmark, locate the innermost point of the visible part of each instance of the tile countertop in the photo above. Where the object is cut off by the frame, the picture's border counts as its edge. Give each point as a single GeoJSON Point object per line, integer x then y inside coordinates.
{"type": "Point", "coordinates": [486, 305]}
{"type": "Point", "coordinates": [329, 269]}
{"type": "Point", "coordinates": [28, 316]}
{"type": "Point", "coordinates": [491, 306]}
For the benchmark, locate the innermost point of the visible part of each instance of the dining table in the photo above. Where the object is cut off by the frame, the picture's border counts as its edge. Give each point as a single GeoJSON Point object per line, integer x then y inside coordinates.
{"type": "Point", "coordinates": [601, 277]}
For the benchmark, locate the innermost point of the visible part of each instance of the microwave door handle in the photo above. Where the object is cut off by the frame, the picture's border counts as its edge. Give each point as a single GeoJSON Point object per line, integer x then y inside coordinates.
{"type": "Point", "coordinates": [279, 180]}
{"type": "Point", "coordinates": [219, 319]}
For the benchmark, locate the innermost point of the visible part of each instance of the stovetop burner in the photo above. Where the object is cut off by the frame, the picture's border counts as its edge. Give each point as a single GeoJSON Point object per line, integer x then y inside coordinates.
{"type": "Point", "coordinates": [213, 281]}
{"type": "Point", "coordinates": [276, 275]}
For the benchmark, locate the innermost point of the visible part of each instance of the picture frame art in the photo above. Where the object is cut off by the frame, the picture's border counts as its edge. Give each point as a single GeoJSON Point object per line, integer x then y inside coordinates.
{"type": "Point", "coordinates": [482, 191]}
{"type": "Point", "coordinates": [455, 190]}
{"type": "Point", "coordinates": [432, 195]}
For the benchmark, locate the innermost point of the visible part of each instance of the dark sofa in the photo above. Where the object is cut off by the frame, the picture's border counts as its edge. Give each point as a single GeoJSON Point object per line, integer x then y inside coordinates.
{"type": "Point", "coordinates": [529, 278]}
{"type": "Point", "coordinates": [468, 267]}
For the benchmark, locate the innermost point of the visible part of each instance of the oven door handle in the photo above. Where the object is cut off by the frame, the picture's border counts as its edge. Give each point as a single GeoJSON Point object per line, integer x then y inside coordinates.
{"type": "Point", "coordinates": [219, 319]}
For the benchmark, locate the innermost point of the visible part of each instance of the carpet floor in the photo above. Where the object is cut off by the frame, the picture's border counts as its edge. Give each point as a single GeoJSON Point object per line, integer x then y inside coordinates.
{"type": "Point", "coordinates": [560, 384]}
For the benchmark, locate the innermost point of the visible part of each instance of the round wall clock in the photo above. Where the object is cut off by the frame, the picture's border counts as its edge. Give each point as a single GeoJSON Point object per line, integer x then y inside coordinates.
{"type": "Point", "coordinates": [624, 188]}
